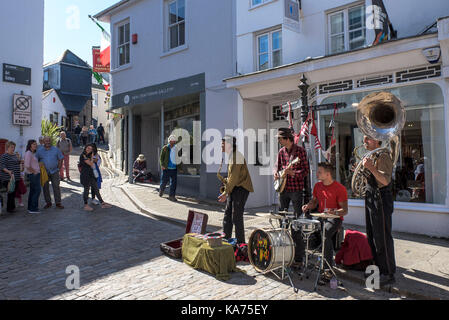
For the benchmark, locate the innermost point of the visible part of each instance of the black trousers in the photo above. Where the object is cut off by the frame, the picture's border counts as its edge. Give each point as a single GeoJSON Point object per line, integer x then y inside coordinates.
{"type": "Point", "coordinates": [91, 185]}
{"type": "Point", "coordinates": [331, 226]}
{"type": "Point", "coordinates": [233, 215]}
{"type": "Point", "coordinates": [11, 196]}
{"type": "Point", "coordinates": [297, 199]}
{"type": "Point", "coordinates": [378, 214]}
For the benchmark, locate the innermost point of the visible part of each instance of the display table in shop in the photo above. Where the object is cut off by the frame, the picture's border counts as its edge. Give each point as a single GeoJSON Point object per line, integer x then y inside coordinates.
{"type": "Point", "coordinates": [219, 261]}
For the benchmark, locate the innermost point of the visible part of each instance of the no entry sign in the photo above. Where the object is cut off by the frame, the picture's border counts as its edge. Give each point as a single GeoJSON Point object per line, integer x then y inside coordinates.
{"type": "Point", "coordinates": [21, 114]}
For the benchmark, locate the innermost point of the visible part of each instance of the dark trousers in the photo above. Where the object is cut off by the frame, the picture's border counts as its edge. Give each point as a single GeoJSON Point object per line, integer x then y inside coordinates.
{"type": "Point", "coordinates": [11, 196]}
{"type": "Point", "coordinates": [296, 199]}
{"type": "Point", "coordinates": [235, 206]}
{"type": "Point", "coordinates": [35, 191]}
{"type": "Point", "coordinates": [378, 215]}
{"type": "Point", "coordinates": [172, 176]}
{"type": "Point", "coordinates": [54, 179]}
{"type": "Point", "coordinates": [331, 227]}
{"type": "Point", "coordinates": [94, 186]}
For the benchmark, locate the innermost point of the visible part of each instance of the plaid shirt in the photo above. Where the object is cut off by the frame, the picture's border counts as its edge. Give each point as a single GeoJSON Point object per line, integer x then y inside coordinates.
{"type": "Point", "coordinates": [301, 169]}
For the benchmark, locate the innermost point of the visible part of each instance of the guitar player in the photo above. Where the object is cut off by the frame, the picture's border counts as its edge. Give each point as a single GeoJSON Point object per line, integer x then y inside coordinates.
{"type": "Point", "coordinates": [294, 186]}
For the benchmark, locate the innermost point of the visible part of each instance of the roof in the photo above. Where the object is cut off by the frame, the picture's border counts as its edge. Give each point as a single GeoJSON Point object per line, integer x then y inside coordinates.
{"type": "Point", "coordinates": [72, 103]}
{"type": "Point", "coordinates": [104, 15]}
{"type": "Point", "coordinates": [70, 58]}
{"type": "Point", "coordinates": [46, 93]}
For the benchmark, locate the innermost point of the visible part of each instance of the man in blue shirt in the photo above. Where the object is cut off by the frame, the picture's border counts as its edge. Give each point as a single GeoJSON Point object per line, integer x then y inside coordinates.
{"type": "Point", "coordinates": [168, 165]}
{"type": "Point", "coordinates": [52, 159]}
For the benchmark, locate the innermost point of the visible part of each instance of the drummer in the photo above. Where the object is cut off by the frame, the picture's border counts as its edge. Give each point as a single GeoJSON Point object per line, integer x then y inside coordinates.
{"type": "Point", "coordinates": [331, 197]}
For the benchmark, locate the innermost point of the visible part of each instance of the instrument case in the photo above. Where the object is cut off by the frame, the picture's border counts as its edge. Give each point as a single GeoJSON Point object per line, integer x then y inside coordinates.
{"type": "Point", "coordinates": [196, 223]}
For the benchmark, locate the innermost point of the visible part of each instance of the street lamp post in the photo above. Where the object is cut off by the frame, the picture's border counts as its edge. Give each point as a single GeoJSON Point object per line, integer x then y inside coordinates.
{"type": "Point", "coordinates": [303, 87]}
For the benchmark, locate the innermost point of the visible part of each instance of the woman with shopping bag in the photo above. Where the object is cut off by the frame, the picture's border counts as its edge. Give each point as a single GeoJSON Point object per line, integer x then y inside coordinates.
{"type": "Point", "coordinates": [9, 174]}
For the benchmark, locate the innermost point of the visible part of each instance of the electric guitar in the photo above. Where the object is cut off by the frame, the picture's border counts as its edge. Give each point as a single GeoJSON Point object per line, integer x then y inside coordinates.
{"type": "Point", "coordinates": [280, 183]}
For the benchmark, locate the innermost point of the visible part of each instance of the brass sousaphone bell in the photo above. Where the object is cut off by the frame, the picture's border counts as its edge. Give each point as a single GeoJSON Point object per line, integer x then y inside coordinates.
{"type": "Point", "coordinates": [381, 116]}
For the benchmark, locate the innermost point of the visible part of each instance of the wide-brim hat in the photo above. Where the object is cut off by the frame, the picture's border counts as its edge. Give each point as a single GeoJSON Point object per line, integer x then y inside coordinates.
{"type": "Point", "coordinates": [284, 133]}
{"type": "Point", "coordinates": [229, 139]}
{"type": "Point", "coordinates": [172, 138]}
{"type": "Point", "coordinates": [141, 157]}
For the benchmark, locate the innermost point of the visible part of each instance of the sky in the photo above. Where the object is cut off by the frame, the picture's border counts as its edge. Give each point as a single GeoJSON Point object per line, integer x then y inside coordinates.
{"type": "Point", "coordinates": [67, 26]}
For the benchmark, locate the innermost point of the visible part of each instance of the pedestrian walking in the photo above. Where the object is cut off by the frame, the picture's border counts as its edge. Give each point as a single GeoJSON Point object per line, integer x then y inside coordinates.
{"type": "Point", "coordinates": [10, 169]}
{"type": "Point", "coordinates": [169, 170]}
{"type": "Point", "coordinates": [64, 144]}
{"type": "Point", "coordinates": [33, 172]}
{"type": "Point", "coordinates": [77, 133]}
{"type": "Point", "coordinates": [100, 131]}
{"type": "Point", "coordinates": [92, 134]}
{"type": "Point", "coordinates": [84, 136]}
{"type": "Point", "coordinates": [52, 159]}
{"type": "Point", "coordinates": [97, 162]}
{"type": "Point", "coordinates": [88, 179]}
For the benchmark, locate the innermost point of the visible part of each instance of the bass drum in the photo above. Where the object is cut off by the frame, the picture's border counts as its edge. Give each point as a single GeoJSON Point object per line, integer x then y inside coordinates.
{"type": "Point", "coordinates": [267, 247]}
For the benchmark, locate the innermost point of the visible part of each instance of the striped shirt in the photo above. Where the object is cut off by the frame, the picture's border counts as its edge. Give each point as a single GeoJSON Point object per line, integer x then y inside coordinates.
{"type": "Point", "coordinates": [12, 163]}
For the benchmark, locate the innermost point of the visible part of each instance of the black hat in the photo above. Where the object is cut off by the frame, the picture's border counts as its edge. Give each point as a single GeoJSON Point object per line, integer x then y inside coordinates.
{"type": "Point", "coordinates": [284, 133]}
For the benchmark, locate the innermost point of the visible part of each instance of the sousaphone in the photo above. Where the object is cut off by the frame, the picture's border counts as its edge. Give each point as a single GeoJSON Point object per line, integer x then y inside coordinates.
{"type": "Point", "coordinates": [381, 116]}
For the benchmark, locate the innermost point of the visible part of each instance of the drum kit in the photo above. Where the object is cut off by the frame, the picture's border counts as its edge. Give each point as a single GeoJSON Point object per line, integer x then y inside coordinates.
{"type": "Point", "coordinates": [273, 249]}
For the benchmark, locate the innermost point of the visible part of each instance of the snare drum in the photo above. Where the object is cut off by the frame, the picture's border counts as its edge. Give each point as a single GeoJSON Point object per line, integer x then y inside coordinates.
{"type": "Point", "coordinates": [266, 249]}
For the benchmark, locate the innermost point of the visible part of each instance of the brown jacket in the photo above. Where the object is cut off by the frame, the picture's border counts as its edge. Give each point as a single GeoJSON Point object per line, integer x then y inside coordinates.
{"type": "Point", "coordinates": [238, 174]}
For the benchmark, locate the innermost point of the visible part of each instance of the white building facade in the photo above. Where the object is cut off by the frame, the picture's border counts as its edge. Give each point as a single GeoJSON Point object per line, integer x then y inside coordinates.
{"type": "Point", "coordinates": [168, 62]}
{"type": "Point", "coordinates": [23, 50]}
{"type": "Point", "coordinates": [329, 42]}
{"type": "Point", "coordinates": [53, 109]}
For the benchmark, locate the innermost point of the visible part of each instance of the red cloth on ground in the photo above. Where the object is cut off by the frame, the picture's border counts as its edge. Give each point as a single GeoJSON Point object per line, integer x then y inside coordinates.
{"type": "Point", "coordinates": [355, 249]}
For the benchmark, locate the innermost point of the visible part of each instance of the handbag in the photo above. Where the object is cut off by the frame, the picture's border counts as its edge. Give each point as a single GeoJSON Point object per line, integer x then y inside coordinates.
{"type": "Point", "coordinates": [11, 184]}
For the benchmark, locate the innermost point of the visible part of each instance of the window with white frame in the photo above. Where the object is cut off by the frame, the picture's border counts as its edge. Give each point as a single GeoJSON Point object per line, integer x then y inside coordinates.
{"type": "Point", "coordinates": [269, 50]}
{"type": "Point", "coordinates": [123, 44]}
{"type": "Point", "coordinates": [176, 26]}
{"type": "Point", "coordinates": [347, 29]}
{"type": "Point", "coordinates": [255, 3]}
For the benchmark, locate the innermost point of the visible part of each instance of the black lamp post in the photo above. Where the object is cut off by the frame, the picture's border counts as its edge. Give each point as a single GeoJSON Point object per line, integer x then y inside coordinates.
{"type": "Point", "coordinates": [303, 87]}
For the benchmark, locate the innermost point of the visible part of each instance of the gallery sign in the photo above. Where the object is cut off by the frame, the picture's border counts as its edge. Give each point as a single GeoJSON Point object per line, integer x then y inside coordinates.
{"type": "Point", "coordinates": [97, 66]}
{"type": "Point", "coordinates": [21, 113]}
{"type": "Point", "coordinates": [16, 74]}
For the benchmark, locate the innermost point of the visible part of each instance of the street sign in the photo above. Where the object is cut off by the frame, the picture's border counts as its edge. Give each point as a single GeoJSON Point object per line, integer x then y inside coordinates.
{"type": "Point", "coordinates": [21, 113]}
{"type": "Point", "coordinates": [16, 74]}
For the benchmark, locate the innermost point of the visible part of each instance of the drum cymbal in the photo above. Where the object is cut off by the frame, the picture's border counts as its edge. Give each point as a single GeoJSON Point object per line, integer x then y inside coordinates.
{"type": "Point", "coordinates": [324, 215]}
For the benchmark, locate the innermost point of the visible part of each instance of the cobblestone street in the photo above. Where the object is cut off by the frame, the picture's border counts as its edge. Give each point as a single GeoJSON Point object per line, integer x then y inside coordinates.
{"type": "Point", "coordinates": [117, 252]}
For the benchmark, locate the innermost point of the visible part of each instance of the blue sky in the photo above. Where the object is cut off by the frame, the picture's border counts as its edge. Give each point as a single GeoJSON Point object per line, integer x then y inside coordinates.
{"type": "Point", "coordinates": [67, 26]}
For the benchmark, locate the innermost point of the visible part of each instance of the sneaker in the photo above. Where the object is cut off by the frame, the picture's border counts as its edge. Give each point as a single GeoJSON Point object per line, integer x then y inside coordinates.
{"type": "Point", "coordinates": [33, 212]}
{"type": "Point", "coordinates": [161, 193]}
{"type": "Point", "coordinates": [48, 205]}
{"type": "Point", "coordinates": [88, 208]}
{"type": "Point", "coordinates": [59, 206]}
{"type": "Point", "coordinates": [95, 201]}
{"type": "Point", "coordinates": [172, 198]}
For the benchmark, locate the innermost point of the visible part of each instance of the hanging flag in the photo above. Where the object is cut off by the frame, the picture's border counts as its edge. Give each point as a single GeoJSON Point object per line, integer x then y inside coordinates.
{"type": "Point", "coordinates": [105, 48]}
{"type": "Point", "coordinates": [100, 80]}
{"type": "Point", "coordinates": [305, 126]}
{"type": "Point", "coordinates": [381, 22]}
{"type": "Point", "coordinates": [317, 143]}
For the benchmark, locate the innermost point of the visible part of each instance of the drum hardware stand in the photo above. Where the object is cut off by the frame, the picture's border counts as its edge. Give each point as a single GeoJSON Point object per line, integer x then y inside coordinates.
{"type": "Point", "coordinates": [323, 259]}
{"type": "Point", "coordinates": [285, 271]}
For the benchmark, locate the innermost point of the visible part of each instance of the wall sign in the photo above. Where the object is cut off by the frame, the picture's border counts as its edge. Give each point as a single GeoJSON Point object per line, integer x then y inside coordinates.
{"type": "Point", "coordinates": [16, 74]}
{"type": "Point", "coordinates": [21, 113]}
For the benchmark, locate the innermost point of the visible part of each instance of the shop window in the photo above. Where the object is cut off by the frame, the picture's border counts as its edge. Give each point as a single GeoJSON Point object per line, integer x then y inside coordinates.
{"type": "Point", "coordinates": [183, 118]}
{"type": "Point", "coordinates": [420, 173]}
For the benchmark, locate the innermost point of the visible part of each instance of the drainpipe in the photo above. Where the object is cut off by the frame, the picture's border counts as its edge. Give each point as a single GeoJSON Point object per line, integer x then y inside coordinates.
{"type": "Point", "coordinates": [130, 145]}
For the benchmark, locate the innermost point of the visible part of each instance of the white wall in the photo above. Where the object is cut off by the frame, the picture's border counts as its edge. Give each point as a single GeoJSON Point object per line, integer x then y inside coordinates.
{"type": "Point", "coordinates": [22, 45]}
{"type": "Point", "coordinates": [49, 107]}
{"type": "Point", "coordinates": [409, 17]}
{"type": "Point", "coordinates": [99, 111]}
{"type": "Point", "coordinates": [209, 45]}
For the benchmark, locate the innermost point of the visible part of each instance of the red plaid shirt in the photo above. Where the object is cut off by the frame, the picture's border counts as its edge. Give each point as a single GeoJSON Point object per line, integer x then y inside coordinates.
{"type": "Point", "coordinates": [301, 169]}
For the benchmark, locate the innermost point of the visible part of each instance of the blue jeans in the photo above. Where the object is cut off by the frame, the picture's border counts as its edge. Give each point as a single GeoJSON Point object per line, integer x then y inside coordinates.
{"type": "Point", "coordinates": [172, 175]}
{"type": "Point", "coordinates": [35, 191]}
